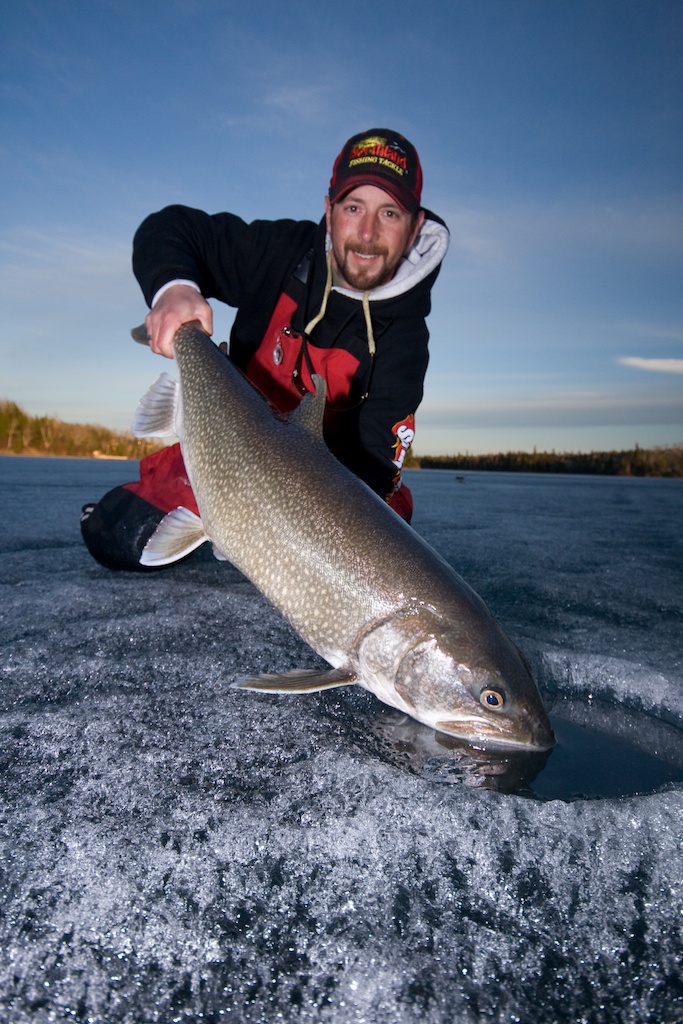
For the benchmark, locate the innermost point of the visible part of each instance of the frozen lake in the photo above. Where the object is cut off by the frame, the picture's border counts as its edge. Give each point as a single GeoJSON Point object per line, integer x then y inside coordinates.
{"type": "Point", "coordinates": [173, 850]}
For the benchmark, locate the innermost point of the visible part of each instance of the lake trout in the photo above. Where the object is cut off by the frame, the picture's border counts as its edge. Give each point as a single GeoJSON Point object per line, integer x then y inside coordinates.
{"type": "Point", "coordinates": [358, 584]}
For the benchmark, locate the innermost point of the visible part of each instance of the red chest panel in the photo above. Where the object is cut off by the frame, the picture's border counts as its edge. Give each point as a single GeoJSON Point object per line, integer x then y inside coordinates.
{"type": "Point", "coordinates": [281, 369]}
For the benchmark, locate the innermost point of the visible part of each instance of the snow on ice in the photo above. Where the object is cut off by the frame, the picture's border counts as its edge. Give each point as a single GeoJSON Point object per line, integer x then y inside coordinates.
{"type": "Point", "coordinates": [173, 850]}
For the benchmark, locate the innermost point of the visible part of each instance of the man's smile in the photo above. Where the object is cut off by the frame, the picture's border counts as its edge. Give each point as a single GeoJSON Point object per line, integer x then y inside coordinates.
{"type": "Point", "coordinates": [367, 254]}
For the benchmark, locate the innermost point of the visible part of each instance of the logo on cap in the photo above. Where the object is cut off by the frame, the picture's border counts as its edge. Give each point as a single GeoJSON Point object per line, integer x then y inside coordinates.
{"type": "Point", "coordinates": [381, 158]}
{"type": "Point", "coordinates": [376, 150]}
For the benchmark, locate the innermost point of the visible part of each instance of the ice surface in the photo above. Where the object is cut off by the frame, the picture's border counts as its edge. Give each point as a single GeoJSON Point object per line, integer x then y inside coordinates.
{"type": "Point", "coordinates": [173, 850]}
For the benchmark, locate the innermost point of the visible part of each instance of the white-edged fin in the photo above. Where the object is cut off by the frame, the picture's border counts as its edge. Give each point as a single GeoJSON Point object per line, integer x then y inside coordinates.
{"type": "Point", "coordinates": [310, 410]}
{"type": "Point", "coordinates": [178, 533]}
{"type": "Point", "coordinates": [301, 681]}
{"type": "Point", "coordinates": [157, 411]}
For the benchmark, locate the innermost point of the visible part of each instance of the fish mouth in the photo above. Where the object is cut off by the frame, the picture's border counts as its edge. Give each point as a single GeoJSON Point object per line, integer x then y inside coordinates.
{"type": "Point", "coordinates": [477, 734]}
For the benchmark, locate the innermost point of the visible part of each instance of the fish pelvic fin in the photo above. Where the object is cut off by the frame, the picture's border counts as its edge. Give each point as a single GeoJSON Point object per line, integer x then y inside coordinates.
{"type": "Point", "coordinates": [177, 535]}
{"type": "Point", "coordinates": [310, 410]}
{"type": "Point", "coordinates": [158, 409]}
{"type": "Point", "coordinates": [298, 681]}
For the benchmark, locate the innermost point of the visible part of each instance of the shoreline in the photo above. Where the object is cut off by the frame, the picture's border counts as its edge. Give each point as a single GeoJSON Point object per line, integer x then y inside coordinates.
{"type": "Point", "coordinates": [56, 455]}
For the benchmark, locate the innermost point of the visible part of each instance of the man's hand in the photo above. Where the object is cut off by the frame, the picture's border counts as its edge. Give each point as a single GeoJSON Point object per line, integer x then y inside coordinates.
{"type": "Point", "coordinates": [177, 306]}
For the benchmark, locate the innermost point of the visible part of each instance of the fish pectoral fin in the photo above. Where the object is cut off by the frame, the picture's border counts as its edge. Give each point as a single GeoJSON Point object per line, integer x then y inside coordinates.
{"type": "Point", "coordinates": [156, 414]}
{"type": "Point", "coordinates": [178, 534]}
{"type": "Point", "coordinates": [299, 681]}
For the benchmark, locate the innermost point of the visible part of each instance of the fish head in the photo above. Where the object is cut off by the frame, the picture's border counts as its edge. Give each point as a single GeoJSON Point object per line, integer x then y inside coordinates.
{"type": "Point", "coordinates": [481, 692]}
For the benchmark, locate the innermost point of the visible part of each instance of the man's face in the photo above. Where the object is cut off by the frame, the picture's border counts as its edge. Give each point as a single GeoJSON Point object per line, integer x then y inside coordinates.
{"type": "Point", "coordinates": [370, 233]}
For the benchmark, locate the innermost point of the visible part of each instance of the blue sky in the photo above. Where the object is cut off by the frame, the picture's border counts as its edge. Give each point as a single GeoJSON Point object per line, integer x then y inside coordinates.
{"type": "Point", "coordinates": [551, 137]}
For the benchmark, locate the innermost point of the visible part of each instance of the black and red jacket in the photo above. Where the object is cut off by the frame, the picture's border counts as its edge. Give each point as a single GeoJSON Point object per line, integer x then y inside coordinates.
{"type": "Point", "coordinates": [372, 354]}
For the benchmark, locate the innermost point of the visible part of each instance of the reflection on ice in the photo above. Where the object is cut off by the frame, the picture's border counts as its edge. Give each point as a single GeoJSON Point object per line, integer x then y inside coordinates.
{"type": "Point", "coordinates": [399, 740]}
{"type": "Point", "coordinates": [604, 750]}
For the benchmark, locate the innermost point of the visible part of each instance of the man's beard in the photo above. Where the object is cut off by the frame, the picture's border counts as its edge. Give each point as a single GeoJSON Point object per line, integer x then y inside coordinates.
{"type": "Point", "coordinates": [378, 271]}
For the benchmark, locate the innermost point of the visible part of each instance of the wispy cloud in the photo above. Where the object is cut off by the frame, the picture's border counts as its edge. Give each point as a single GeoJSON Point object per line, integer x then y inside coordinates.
{"type": "Point", "coordinates": [305, 102]}
{"type": "Point", "coordinates": [560, 410]}
{"type": "Point", "coordinates": [653, 365]}
{"type": "Point", "coordinates": [69, 300]}
{"type": "Point", "coordinates": [497, 234]}
{"type": "Point", "coordinates": [661, 332]}
{"type": "Point", "coordinates": [58, 267]}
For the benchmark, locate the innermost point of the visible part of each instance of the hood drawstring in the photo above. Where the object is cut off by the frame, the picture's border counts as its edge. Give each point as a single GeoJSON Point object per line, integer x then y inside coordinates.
{"type": "Point", "coordinates": [368, 323]}
{"type": "Point", "coordinates": [323, 308]}
{"type": "Point", "coordinates": [326, 294]}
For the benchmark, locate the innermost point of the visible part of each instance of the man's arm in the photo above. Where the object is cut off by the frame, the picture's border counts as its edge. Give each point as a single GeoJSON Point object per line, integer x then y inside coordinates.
{"type": "Point", "coordinates": [182, 256]}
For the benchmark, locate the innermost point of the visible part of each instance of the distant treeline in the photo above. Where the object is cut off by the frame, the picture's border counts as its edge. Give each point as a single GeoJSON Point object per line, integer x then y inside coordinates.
{"type": "Point", "coordinates": [666, 461]}
{"type": "Point", "coordinates": [21, 434]}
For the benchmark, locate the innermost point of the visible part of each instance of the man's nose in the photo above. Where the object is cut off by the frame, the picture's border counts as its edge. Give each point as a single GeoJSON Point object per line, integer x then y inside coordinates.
{"type": "Point", "coordinates": [369, 228]}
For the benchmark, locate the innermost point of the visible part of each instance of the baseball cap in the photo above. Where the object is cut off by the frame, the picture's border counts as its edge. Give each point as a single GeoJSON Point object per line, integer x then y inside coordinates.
{"type": "Point", "coordinates": [383, 158]}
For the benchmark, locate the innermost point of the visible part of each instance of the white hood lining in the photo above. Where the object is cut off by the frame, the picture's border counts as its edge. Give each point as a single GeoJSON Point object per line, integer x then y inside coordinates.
{"type": "Point", "coordinates": [427, 252]}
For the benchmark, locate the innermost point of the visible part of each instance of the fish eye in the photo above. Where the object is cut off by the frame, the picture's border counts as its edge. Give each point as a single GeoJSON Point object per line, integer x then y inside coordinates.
{"type": "Point", "coordinates": [492, 699]}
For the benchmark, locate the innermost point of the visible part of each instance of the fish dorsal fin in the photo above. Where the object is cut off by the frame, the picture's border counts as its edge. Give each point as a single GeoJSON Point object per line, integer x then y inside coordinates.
{"type": "Point", "coordinates": [178, 533]}
{"type": "Point", "coordinates": [158, 412]}
{"type": "Point", "coordinates": [309, 412]}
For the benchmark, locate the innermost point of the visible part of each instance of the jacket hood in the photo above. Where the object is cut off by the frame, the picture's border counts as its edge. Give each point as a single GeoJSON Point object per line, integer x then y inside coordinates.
{"type": "Point", "coordinates": [420, 264]}
{"type": "Point", "coordinates": [426, 254]}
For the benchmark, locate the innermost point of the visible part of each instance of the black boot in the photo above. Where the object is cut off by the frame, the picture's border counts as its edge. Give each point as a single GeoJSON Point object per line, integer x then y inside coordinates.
{"type": "Point", "coordinates": [116, 529]}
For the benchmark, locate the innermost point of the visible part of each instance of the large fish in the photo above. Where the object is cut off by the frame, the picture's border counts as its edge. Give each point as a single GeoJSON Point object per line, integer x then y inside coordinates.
{"type": "Point", "coordinates": [354, 580]}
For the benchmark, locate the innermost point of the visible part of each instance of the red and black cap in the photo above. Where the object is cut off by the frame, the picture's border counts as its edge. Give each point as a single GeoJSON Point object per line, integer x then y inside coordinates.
{"type": "Point", "coordinates": [382, 158]}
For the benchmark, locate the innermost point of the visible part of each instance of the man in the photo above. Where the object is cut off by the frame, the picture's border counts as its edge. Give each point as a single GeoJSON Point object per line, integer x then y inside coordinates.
{"type": "Point", "coordinates": [346, 299]}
